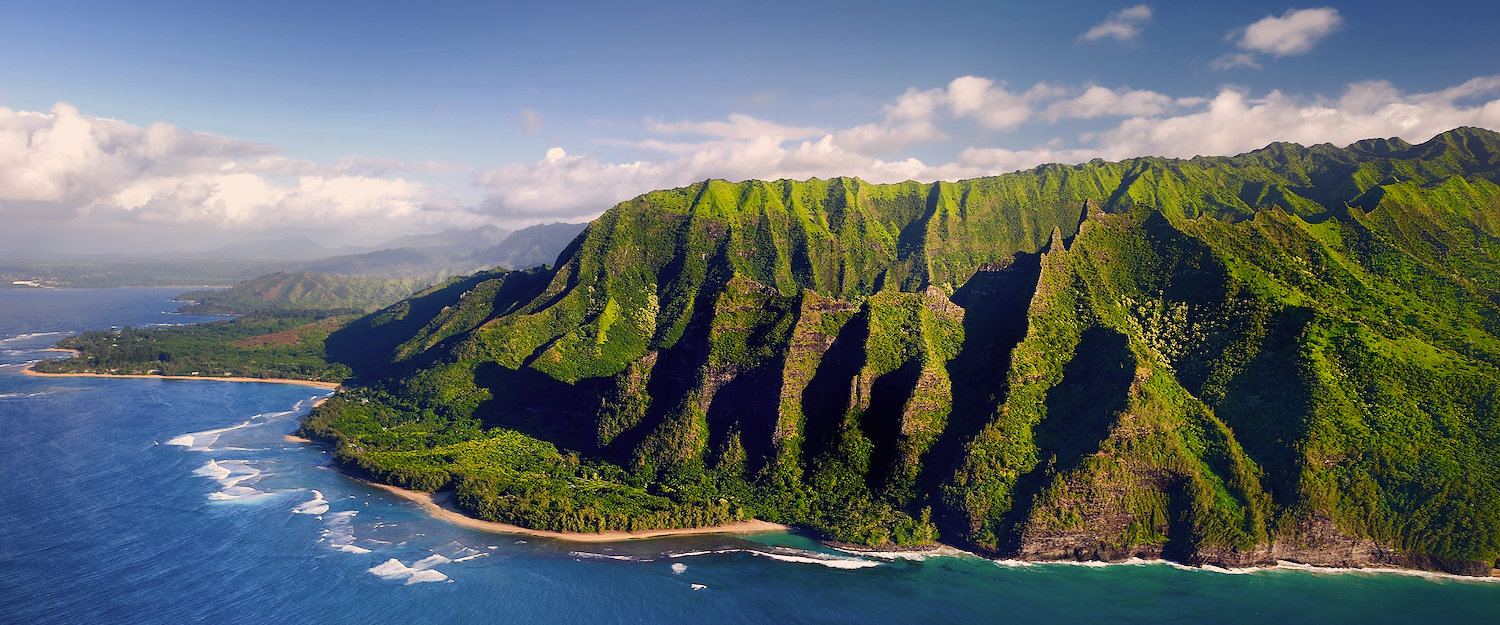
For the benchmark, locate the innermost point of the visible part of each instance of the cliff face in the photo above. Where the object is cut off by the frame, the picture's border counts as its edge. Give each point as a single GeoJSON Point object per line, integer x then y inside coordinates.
{"type": "Point", "coordinates": [1289, 354]}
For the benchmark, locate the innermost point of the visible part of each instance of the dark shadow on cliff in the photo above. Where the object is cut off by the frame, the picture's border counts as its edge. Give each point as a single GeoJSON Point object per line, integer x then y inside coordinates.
{"type": "Point", "coordinates": [368, 344]}
{"type": "Point", "coordinates": [825, 400]}
{"type": "Point", "coordinates": [678, 369]}
{"type": "Point", "coordinates": [749, 404]}
{"type": "Point", "coordinates": [995, 304]}
{"type": "Point", "coordinates": [1267, 405]}
{"type": "Point", "coordinates": [1095, 387]}
{"type": "Point", "coordinates": [882, 421]}
{"type": "Point", "coordinates": [536, 404]}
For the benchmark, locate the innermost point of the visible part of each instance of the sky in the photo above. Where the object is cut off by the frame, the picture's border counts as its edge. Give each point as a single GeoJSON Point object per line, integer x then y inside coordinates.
{"type": "Point", "coordinates": [157, 126]}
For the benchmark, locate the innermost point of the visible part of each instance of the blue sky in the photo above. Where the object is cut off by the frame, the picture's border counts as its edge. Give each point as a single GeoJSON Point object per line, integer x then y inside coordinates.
{"type": "Point", "coordinates": [179, 124]}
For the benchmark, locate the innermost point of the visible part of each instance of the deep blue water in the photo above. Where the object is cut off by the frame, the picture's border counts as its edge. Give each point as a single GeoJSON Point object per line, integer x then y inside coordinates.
{"type": "Point", "coordinates": [127, 501]}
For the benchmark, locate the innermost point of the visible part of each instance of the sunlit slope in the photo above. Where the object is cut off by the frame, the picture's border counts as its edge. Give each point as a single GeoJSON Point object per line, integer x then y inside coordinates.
{"type": "Point", "coordinates": [1290, 353]}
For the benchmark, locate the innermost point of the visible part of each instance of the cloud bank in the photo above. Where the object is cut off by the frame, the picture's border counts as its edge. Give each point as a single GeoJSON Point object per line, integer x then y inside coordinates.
{"type": "Point", "coordinates": [64, 165]}
{"type": "Point", "coordinates": [1137, 123]}
{"type": "Point", "coordinates": [63, 168]}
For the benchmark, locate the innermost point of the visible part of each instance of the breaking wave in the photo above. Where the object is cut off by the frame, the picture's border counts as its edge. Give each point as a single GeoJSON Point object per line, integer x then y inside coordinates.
{"type": "Point", "coordinates": [784, 554]}
{"type": "Point", "coordinates": [417, 573]}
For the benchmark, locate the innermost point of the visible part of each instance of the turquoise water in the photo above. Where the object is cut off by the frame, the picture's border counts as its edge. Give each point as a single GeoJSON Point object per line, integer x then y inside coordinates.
{"type": "Point", "coordinates": [159, 501]}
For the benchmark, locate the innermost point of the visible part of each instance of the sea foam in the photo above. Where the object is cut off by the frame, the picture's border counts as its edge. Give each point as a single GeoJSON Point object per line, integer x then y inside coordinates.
{"type": "Point", "coordinates": [316, 505]}
{"type": "Point", "coordinates": [234, 473]}
{"type": "Point", "coordinates": [797, 556]}
{"type": "Point", "coordinates": [417, 573]}
{"type": "Point", "coordinates": [212, 470]}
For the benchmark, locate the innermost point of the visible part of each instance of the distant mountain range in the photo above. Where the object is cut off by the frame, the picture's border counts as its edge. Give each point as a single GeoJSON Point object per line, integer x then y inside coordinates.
{"type": "Point", "coordinates": [424, 258]}
{"type": "Point", "coordinates": [454, 252]}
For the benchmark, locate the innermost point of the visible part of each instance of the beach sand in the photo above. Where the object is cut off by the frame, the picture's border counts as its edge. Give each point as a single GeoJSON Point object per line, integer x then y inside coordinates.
{"type": "Point", "coordinates": [328, 385]}
{"type": "Point", "coordinates": [440, 506]}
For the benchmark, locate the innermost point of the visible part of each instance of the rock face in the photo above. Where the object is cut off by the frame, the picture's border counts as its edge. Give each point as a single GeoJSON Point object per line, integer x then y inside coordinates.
{"type": "Point", "coordinates": [1290, 354]}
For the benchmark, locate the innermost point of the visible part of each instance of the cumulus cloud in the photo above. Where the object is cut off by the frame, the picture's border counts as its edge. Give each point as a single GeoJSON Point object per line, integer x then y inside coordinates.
{"type": "Point", "coordinates": [1123, 25]}
{"type": "Point", "coordinates": [1098, 101]}
{"type": "Point", "coordinates": [1234, 121]}
{"type": "Point", "coordinates": [561, 186]}
{"type": "Point", "coordinates": [1295, 32]}
{"type": "Point", "coordinates": [64, 164]}
{"type": "Point", "coordinates": [1231, 121]}
{"type": "Point", "coordinates": [983, 100]}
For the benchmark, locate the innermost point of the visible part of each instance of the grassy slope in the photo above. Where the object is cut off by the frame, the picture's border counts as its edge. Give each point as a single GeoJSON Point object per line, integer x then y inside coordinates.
{"type": "Point", "coordinates": [1216, 359]}
{"type": "Point", "coordinates": [301, 292]}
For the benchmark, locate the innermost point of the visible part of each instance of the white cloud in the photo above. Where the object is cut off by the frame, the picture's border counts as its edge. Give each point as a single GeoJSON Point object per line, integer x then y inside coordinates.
{"type": "Point", "coordinates": [1233, 60]}
{"type": "Point", "coordinates": [886, 138]}
{"type": "Point", "coordinates": [1098, 101]}
{"type": "Point", "coordinates": [1295, 32]}
{"type": "Point", "coordinates": [992, 105]}
{"type": "Point", "coordinates": [1229, 122]}
{"type": "Point", "coordinates": [1123, 25]}
{"type": "Point", "coordinates": [1234, 122]}
{"type": "Point", "coordinates": [738, 126]}
{"type": "Point", "coordinates": [64, 165]}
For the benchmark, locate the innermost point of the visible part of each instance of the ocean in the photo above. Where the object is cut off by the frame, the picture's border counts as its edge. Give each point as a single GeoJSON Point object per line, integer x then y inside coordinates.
{"type": "Point", "coordinates": [165, 501]}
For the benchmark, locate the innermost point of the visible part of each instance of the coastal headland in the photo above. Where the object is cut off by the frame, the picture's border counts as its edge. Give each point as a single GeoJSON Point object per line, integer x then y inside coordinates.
{"type": "Point", "coordinates": [28, 370]}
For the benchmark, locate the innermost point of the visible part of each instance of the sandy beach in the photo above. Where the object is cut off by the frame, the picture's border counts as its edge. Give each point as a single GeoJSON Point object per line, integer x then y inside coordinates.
{"type": "Point", "coordinates": [328, 385]}
{"type": "Point", "coordinates": [440, 506]}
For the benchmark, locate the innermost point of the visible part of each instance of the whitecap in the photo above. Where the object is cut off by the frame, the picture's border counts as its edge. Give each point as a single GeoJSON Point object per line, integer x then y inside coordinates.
{"type": "Point", "coordinates": [789, 555]}
{"type": "Point", "coordinates": [697, 586]}
{"type": "Point", "coordinates": [393, 569]}
{"type": "Point", "coordinates": [316, 505]}
{"type": "Point", "coordinates": [678, 568]}
{"type": "Point", "coordinates": [430, 561]}
{"type": "Point", "coordinates": [186, 440]}
{"type": "Point", "coordinates": [833, 563]}
{"type": "Point", "coordinates": [349, 548]}
{"type": "Point", "coordinates": [604, 556]}
{"type": "Point", "coordinates": [458, 552]}
{"type": "Point", "coordinates": [428, 575]}
{"type": "Point", "coordinates": [238, 472]}
{"type": "Point", "coordinates": [915, 555]}
{"type": "Point", "coordinates": [25, 395]}
{"type": "Point", "coordinates": [28, 336]}
{"type": "Point", "coordinates": [211, 470]}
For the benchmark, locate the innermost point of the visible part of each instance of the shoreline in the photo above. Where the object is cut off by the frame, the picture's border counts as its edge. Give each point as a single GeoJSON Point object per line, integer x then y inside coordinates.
{"type": "Point", "coordinates": [28, 370]}
{"type": "Point", "coordinates": [440, 506]}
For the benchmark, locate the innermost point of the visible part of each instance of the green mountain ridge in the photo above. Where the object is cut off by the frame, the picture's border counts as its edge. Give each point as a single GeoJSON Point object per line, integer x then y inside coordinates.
{"type": "Point", "coordinates": [1292, 353]}
{"type": "Point", "coordinates": [302, 291]}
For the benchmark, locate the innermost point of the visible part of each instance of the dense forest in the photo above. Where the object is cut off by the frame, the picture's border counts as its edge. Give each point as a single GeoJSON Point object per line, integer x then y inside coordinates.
{"type": "Point", "coordinates": [265, 345]}
{"type": "Point", "coordinates": [1289, 354]}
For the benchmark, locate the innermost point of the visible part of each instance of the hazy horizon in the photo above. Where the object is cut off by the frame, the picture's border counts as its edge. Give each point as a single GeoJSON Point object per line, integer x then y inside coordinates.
{"type": "Point", "coordinates": [185, 127]}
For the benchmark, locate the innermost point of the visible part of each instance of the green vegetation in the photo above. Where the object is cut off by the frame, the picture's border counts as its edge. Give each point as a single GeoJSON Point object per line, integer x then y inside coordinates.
{"type": "Point", "coordinates": [286, 346]}
{"type": "Point", "coordinates": [1292, 353]}
{"type": "Point", "coordinates": [302, 292]}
